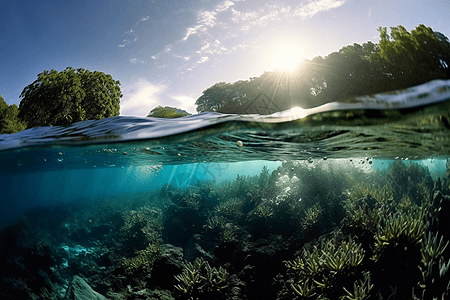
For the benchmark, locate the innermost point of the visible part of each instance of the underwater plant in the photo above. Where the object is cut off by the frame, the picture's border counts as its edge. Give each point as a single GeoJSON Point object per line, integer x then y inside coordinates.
{"type": "Point", "coordinates": [146, 219]}
{"type": "Point", "coordinates": [230, 209]}
{"type": "Point", "coordinates": [192, 200]}
{"type": "Point", "coordinates": [405, 178]}
{"type": "Point", "coordinates": [216, 222]}
{"type": "Point", "coordinates": [311, 216]}
{"type": "Point", "coordinates": [200, 279]}
{"type": "Point", "coordinates": [361, 188]}
{"type": "Point", "coordinates": [324, 267]}
{"type": "Point", "coordinates": [264, 211]}
{"type": "Point", "coordinates": [435, 281]}
{"type": "Point", "coordinates": [229, 234]}
{"type": "Point", "coordinates": [361, 289]}
{"type": "Point", "coordinates": [399, 230]}
{"type": "Point", "coordinates": [143, 261]}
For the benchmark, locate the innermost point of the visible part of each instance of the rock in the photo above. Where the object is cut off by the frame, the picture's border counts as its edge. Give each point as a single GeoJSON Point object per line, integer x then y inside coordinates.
{"type": "Point", "coordinates": [80, 290]}
{"type": "Point", "coordinates": [196, 248]}
{"type": "Point", "coordinates": [170, 263]}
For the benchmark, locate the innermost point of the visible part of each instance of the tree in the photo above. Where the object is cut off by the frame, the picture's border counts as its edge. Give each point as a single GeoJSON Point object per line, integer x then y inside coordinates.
{"type": "Point", "coordinates": [400, 60]}
{"type": "Point", "coordinates": [415, 57]}
{"type": "Point", "coordinates": [9, 122]}
{"type": "Point", "coordinates": [62, 98]}
{"type": "Point", "coordinates": [214, 97]}
{"type": "Point", "coordinates": [167, 112]}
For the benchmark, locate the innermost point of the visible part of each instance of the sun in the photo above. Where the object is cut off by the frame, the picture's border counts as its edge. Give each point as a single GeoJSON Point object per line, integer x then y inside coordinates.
{"type": "Point", "coordinates": [286, 58]}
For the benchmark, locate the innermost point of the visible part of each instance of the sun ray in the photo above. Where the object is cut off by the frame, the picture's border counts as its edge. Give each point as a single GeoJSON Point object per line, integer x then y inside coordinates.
{"type": "Point", "coordinates": [286, 58]}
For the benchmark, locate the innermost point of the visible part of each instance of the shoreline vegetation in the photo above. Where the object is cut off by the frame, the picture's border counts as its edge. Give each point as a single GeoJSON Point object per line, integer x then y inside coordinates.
{"type": "Point", "coordinates": [400, 60]}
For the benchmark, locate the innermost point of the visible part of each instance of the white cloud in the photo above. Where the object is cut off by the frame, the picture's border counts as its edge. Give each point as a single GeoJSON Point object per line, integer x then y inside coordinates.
{"type": "Point", "coordinates": [185, 102]}
{"type": "Point", "coordinates": [132, 33]}
{"type": "Point", "coordinates": [229, 18]}
{"type": "Point", "coordinates": [203, 59]}
{"type": "Point", "coordinates": [265, 14]}
{"type": "Point", "coordinates": [207, 19]}
{"type": "Point", "coordinates": [218, 30]}
{"type": "Point", "coordinates": [125, 42]}
{"type": "Point", "coordinates": [224, 5]}
{"type": "Point", "coordinates": [140, 98]}
{"type": "Point", "coordinates": [136, 60]}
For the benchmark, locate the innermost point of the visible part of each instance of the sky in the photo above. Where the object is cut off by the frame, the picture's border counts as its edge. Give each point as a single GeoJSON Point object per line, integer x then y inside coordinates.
{"type": "Point", "coordinates": [168, 52]}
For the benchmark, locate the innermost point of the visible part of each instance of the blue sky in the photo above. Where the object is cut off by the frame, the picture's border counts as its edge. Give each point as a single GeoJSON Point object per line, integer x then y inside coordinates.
{"type": "Point", "coordinates": [168, 52]}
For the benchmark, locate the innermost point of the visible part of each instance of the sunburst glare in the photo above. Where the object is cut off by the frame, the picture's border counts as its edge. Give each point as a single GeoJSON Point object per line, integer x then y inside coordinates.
{"type": "Point", "coordinates": [286, 58]}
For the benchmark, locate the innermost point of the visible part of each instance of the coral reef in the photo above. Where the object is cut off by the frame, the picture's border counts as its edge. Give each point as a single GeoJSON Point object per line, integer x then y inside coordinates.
{"type": "Point", "coordinates": [318, 230]}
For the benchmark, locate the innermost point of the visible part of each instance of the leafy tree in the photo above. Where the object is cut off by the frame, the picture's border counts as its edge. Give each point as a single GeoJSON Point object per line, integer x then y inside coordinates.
{"type": "Point", "coordinates": [9, 122]}
{"type": "Point", "coordinates": [167, 112]}
{"type": "Point", "coordinates": [400, 60]}
{"type": "Point", "coordinates": [415, 57]}
{"type": "Point", "coordinates": [62, 98]}
{"type": "Point", "coordinates": [214, 97]}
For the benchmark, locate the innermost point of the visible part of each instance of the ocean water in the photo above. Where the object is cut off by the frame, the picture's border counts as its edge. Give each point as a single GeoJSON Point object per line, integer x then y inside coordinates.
{"type": "Point", "coordinates": [127, 203]}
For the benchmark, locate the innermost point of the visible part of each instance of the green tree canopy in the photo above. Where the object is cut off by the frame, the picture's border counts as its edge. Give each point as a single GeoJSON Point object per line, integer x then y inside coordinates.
{"type": "Point", "coordinates": [9, 122]}
{"type": "Point", "coordinates": [167, 112]}
{"type": "Point", "coordinates": [415, 57]}
{"type": "Point", "coordinates": [62, 98]}
{"type": "Point", "coordinates": [401, 59]}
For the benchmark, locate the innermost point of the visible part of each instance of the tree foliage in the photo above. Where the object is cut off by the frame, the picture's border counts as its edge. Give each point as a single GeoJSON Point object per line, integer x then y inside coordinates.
{"type": "Point", "coordinates": [9, 122]}
{"type": "Point", "coordinates": [416, 57]}
{"type": "Point", "coordinates": [401, 59]}
{"type": "Point", "coordinates": [62, 98]}
{"type": "Point", "coordinates": [167, 112]}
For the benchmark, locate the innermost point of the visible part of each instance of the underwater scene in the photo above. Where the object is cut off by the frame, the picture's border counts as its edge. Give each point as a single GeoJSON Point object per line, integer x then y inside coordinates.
{"type": "Point", "coordinates": [341, 201]}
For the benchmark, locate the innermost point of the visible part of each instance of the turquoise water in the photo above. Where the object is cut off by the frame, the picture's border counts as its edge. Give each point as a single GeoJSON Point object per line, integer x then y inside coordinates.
{"type": "Point", "coordinates": [65, 183]}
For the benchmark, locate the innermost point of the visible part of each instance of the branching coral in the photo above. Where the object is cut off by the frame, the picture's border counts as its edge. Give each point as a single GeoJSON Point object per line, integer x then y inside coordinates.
{"type": "Point", "coordinates": [216, 222]}
{"type": "Point", "coordinates": [146, 219]}
{"type": "Point", "coordinates": [399, 229]}
{"type": "Point", "coordinates": [317, 270]}
{"type": "Point", "coordinates": [435, 282]}
{"type": "Point", "coordinates": [264, 211]}
{"type": "Point", "coordinates": [231, 209]}
{"type": "Point", "coordinates": [432, 248]}
{"type": "Point", "coordinates": [144, 259]}
{"type": "Point", "coordinates": [311, 216]}
{"type": "Point", "coordinates": [199, 278]}
{"type": "Point", "coordinates": [361, 289]}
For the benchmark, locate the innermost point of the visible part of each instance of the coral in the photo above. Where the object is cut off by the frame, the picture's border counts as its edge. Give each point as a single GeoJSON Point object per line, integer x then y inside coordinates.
{"type": "Point", "coordinates": [311, 216]}
{"type": "Point", "coordinates": [199, 278]}
{"type": "Point", "coordinates": [143, 261]}
{"type": "Point", "coordinates": [435, 281]}
{"type": "Point", "coordinates": [361, 188]}
{"type": "Point", "coordinates": [146, 219]}
{"type": "Point", "coordinates": [399, 230]}
{"type": "Point", "coordinates": [320, 269]}
{"type": "Point", "coordinates": [263, 211]}
{"type": "Point", "coordinates": [229, 234]}
{"type": "Point", "coordinates": [432, 249]}
{"type": "Point", "coordinates": [405, 178]}
{"type": "Point", "coordinates": [216, 222]}
{"type": "Point", "coordinates": [230, 209]}
{"type": "Point", "coordinates": [361, 289]}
